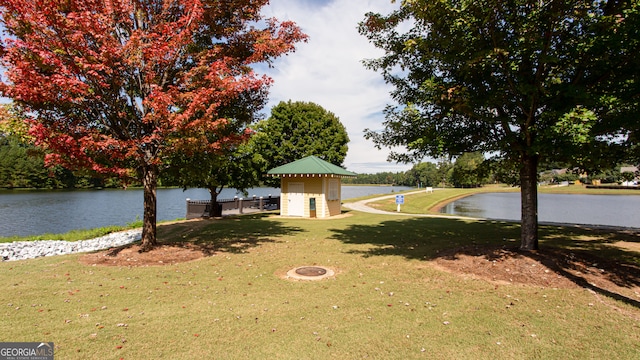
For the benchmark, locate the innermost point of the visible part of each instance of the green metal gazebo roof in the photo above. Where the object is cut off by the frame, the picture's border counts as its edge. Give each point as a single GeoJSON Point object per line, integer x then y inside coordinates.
{"type": "Point", "coordinates": [311, 165]}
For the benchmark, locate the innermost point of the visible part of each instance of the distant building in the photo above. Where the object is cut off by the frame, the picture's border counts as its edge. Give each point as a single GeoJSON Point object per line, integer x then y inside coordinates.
{"type": "Point", "coordinates": [310, 187]}
{"type": "Point", "coordinates": [633, 169]}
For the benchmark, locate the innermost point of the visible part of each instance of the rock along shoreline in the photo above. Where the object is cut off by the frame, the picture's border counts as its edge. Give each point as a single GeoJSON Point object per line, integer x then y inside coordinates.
{"type": "Point", "coordinates": [22, 250]}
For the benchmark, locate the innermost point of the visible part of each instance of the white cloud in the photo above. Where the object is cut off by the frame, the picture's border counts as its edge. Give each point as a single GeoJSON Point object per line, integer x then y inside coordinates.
{"type": "Point", "coordinates": [328, 71]}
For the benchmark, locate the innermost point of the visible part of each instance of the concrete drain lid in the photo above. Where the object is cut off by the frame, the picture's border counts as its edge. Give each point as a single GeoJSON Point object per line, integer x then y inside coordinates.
{"type": "Point", "coordinates": [310, 273]}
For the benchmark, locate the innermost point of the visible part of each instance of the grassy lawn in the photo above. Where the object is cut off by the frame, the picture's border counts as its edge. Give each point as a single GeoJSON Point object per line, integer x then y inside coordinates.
{"type": "Point", "coordinates": [387, 300]}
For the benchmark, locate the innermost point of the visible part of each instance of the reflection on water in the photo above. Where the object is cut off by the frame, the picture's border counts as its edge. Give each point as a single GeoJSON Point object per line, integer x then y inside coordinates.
{"type": "Point", "coordinates": [611, 210]}
{"type": "Point", "coordinates": [38, 212]}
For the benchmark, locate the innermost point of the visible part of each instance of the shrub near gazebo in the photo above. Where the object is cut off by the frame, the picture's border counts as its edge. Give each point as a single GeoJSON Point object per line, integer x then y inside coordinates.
{"type": "Point", "coordinates": [310, 187]}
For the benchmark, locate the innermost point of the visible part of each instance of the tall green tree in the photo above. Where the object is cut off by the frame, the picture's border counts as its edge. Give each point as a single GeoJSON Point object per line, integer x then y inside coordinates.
{"type": "Point", "coordinates": [238, 167]}
{"type": "Point", "coordinates": [299, 129]}
{"type": "Point", "coordinates": [21, 163]}
{"type": "Point", "coordinates": [523, 80]}
{"type": "Point", "coordinates": [468, 170]}
{"type": "Point", "coordinates": [424, 174]}
{"type": "Point", "coordinates": [234, 164]}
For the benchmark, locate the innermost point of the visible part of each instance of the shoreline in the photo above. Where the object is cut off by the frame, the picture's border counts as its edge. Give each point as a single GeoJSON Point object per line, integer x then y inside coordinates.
{"type": "Point", "coordinates": [433, 212]}
{"type": "Point", "coordinates": [23, 250]}
{"type": "Point", "coordinates": [439, 205]}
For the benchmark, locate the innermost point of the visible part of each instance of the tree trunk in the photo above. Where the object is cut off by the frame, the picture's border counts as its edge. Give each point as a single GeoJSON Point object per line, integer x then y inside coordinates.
{"type": "Point", "coordinates": [150, 183]}
{"type": "Point", "coordinates": [215, 211]}
{"type": "Point", "coordinates": [529, 202]}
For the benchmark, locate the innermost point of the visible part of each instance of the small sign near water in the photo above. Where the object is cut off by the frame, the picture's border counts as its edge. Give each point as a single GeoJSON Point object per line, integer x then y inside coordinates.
{"type": "Point", "coordinates": [399, 201]}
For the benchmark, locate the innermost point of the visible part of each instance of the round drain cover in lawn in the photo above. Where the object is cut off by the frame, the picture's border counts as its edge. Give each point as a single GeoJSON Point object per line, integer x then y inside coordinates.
{"type": "Point", "coordinates": [310, 273]}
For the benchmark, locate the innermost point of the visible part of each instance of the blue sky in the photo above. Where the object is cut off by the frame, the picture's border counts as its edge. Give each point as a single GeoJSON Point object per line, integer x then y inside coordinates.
{"type": "Point", "coordinates": [328, 71]}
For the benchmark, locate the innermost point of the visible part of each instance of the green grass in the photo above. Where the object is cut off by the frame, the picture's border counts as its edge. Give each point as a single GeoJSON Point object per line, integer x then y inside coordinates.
{"type": "Point", "coordinates": [75, 235]}
{"type": "Point", "coordinates": [387, 301]}
{"type": "Point", "coordinates": [581, 189]}
{"type": "Point", "coordinates": [378, 195]}
{"type": "Point", "coordinates": [427, 203]}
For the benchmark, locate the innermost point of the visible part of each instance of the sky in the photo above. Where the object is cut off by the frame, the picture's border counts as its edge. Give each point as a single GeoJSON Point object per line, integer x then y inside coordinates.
{"type": "Point", "coordinates": [328, 71]}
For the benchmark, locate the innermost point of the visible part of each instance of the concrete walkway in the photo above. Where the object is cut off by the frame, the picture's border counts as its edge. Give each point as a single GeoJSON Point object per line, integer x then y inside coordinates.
{"type": "Point", "coordinates": [247, 210]}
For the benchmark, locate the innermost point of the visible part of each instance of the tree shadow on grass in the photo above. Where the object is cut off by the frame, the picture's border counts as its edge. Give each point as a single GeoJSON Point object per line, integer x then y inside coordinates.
{"type": "Point", "coordinates": [423, 238]}
{"type": "Point", "coordinates": [582, 254]}
{"type": "Point", "coordinates": [230, 234]}
{"type": "Point", "coordinates": [209, 236]}
{"type": "Point", "coordinates": [578, 254]}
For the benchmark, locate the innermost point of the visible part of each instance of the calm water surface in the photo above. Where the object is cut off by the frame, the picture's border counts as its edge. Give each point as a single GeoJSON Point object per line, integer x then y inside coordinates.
{"type": "Point", "coordinates": [611, 210]}
{"type": "Point", "coordinates": [25, 213]}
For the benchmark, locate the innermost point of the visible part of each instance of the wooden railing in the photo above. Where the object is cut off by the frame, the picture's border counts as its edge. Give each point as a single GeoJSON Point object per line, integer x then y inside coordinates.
{"type": "Point", "coordinates": [202, 208]}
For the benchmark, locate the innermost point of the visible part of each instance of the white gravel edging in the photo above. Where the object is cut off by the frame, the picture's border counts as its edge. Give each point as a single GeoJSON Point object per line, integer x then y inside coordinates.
{"type": "Point", "coordinates": [21, 250]}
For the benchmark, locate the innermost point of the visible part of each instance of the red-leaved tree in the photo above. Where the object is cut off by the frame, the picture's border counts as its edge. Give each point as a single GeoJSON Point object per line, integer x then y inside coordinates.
{"type": "Point", "coordinates": [116, 86]}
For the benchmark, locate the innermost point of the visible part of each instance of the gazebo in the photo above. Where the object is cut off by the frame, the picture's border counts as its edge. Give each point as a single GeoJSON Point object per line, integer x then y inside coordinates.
{"type": "Point", "coordinates": [310, 187]}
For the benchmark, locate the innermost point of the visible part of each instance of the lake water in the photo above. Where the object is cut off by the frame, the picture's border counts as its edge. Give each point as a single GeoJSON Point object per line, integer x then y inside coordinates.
{"type": "Point", "coordinates": [37, 212]}
{"type": "Point", "coordinates": [610, 210]}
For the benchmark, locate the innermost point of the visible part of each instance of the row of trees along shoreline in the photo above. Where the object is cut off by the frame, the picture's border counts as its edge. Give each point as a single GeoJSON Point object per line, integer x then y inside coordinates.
{"type": "Point", "coordinates": [470, 170]}
{"type": "Point", "coordinates": [22, 167]}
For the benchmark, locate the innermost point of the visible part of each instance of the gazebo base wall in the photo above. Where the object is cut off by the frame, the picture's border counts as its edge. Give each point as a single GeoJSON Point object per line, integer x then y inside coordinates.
{"type": "Point", "coordinates": [300, 194]}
